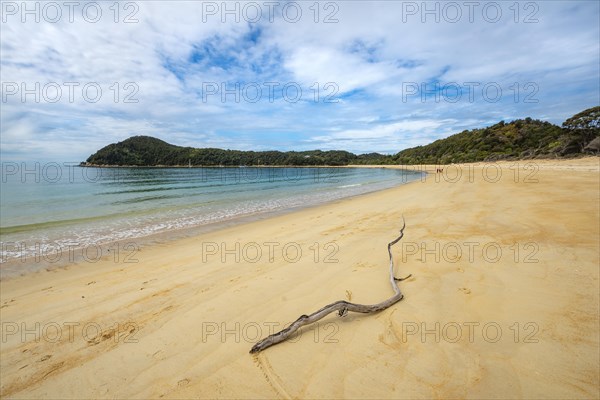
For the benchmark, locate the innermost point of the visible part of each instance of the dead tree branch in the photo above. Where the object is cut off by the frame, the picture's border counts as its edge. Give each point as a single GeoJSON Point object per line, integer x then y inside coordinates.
{"type": "Point", "coordinates": [342, 307]}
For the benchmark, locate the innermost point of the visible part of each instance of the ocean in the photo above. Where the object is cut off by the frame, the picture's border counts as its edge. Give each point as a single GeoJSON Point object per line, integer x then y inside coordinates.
{"type": "Point", "coordinates": [47, 209]}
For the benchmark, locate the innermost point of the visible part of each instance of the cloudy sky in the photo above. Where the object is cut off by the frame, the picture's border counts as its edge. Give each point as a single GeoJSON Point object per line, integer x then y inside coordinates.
{"type": "Point", "coordinates": [354, 75]}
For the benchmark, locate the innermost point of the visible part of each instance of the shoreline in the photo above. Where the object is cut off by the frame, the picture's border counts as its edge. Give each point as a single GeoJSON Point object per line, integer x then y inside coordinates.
{"type": "Point", "coordinates": [84, 164]}
{"type": "Point", "coordinates": [39, 262]}
{"type": "Point", "coordinates": [196, 305]}
{"type": "Point", "coordinates": [159, 238]}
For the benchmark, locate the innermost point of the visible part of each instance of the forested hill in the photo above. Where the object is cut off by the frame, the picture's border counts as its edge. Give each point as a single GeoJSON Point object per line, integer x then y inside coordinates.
{"type": "Point", "coordinates": [520, 139]}
{"type": "Point", "coordinates": [524, 138]}
{"type": "Point", "coordinates": [149, 151]}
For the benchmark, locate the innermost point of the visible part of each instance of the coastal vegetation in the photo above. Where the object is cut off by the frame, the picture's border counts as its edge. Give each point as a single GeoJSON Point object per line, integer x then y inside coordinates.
{"type": "Point", "coordinates": [520, 139]}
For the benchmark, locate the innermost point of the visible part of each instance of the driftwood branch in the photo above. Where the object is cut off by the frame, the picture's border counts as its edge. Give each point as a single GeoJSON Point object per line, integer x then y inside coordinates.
{"type": "Point", "coordinates": [342, 307]}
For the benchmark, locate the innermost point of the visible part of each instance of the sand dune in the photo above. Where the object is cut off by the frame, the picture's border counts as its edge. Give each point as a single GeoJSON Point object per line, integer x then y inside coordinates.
{"type": "Point", "coordinates": [503, 302]}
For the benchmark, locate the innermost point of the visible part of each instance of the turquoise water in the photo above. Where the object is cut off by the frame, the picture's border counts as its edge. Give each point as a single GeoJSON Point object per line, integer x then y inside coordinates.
{"type": "Point", "coordinates": [67, 206]}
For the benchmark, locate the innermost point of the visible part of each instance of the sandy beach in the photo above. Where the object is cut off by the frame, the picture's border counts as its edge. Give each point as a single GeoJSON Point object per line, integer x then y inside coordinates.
{"type": "Point", "coordinates": [503, 301]}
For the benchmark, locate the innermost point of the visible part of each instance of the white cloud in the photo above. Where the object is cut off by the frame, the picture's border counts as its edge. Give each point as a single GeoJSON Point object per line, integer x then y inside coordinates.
{"type": "Point", "coordinates": [369, 53]}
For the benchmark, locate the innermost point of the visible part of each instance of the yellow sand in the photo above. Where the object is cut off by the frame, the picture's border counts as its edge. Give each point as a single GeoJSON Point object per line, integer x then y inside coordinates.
{"type": "Point", "coordinates": [521, 326]}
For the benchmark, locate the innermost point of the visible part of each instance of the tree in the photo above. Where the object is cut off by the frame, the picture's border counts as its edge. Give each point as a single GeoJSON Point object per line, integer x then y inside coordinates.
{"type": "Point", "coordinates": [587, 119]}
{"type": "Point", "coordinates": [581, 129]}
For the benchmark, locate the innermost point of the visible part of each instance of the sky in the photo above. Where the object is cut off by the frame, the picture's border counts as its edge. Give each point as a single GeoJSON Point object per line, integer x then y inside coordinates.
{"type": "Point", "coordinates": [376, 76]}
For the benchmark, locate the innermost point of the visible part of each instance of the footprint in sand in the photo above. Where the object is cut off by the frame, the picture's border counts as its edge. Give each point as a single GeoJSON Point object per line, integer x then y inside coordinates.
{"type": "Point", "coordinates": [46, 357]}
{"type": "Point", "coordinates": [243, 287]}
{"type": "Point", "coordinates": [465, 290]}
{"type": "Point", "coordinates": [158, 355]}
{"type": "Point", "coordinates": [183, 382]}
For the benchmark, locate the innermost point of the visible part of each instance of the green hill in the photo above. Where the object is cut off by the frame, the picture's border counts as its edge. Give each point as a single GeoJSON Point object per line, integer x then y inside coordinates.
{"type": "Point", "coordinates": [518, 139]}
{"type": "Point", "coordinates": [523, 138]}
{"type": "Point", "coordinates": [149, 151]}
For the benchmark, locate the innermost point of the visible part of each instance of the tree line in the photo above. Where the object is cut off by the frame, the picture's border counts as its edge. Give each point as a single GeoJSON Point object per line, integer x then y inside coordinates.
{"type": "Point", "coordinates": [520, 139]}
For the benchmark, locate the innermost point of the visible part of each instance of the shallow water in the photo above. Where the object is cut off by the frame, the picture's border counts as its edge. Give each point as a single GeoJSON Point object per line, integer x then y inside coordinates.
{"type": "Point", "coordinates": [49, 207]}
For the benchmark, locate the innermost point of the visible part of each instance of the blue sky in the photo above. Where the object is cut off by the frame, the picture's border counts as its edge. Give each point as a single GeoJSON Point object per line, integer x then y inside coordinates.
{"type": "Point", "coordinates": [378, 76]}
